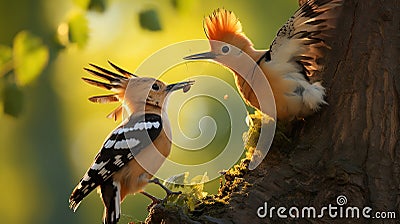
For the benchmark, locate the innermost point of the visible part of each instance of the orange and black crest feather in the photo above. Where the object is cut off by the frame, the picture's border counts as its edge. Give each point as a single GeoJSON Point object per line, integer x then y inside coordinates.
{"type": "Point", "coordinates": [220, 24]}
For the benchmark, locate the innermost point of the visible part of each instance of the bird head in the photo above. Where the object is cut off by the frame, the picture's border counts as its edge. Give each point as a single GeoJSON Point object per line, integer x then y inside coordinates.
{"type": "Point", "coordinates": [151, 93]}
{"type": "Point", "coordinates": [224, 31]}
{"type": "Point", "coordinates": [136, 93]}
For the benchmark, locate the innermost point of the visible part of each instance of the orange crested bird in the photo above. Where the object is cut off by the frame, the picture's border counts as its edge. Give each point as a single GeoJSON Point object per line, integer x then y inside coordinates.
{"type": "Point", "coordinates": [293, 56]}
{"type": "Point", "coordinates": [137, 148]}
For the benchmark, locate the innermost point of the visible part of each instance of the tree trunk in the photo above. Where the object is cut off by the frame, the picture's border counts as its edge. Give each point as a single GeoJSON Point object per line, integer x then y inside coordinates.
{"type": "Point", "coordinates": [350, 148]}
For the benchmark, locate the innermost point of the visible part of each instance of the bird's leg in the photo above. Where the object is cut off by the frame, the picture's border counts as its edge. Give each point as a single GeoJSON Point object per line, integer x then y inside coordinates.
{"type": "Point", "coordinates": [168, 191]}
{"type": "Point", "coordinates": [154, 200]}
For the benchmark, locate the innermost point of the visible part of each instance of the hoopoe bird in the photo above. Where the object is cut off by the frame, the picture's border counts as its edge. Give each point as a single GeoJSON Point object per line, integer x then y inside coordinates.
{"type": "Point", "coordinates": [137, 148]}
{"type": "Point", "coordinates": [292, 57]}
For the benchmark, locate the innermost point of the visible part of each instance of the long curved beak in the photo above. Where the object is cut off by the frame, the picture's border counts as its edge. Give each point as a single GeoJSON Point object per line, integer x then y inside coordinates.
{"type": "Point", "coordinates": [180, 85]}
{"type": "Point", "coordinates": [205, 55]}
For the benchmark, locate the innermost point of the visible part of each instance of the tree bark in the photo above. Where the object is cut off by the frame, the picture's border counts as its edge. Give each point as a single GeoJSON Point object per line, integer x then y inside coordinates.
{"type": "Point", "coordinates": [351, 147]}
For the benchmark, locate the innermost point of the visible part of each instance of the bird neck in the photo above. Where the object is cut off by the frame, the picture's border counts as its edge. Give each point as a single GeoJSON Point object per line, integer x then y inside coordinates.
{"type": "Point", "coordinates": [245, 77]}
{"type": "Point", "coordinates": [131, 108]}
{"type": "Point", "coordinates": [150, 108]}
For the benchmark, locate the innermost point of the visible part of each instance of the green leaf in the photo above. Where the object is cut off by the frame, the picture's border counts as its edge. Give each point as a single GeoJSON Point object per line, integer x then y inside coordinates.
{"type": "Point", "coordinates": [149, 20]}
{"type": "Point", "coordinates": [200, 179]}
{"type": "Point", "coordinates": [30, 57]}
{"type": "Point", "coordinates": [198, 185]}
{"type": "Point", "coordinates": [176, 180]}
{"type": "Point", "coordinates": [78, 30]}
{"type": "Point", "coordinates": [97, 5]}
{"type": "Point", "coordinates": [12, 100]}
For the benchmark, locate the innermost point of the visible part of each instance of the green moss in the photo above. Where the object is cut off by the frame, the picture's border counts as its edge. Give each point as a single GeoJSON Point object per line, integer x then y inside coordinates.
{"type": "Point", "coordinates": [195, 203]}
{"type": "Point", "coordinates": [192, 191]}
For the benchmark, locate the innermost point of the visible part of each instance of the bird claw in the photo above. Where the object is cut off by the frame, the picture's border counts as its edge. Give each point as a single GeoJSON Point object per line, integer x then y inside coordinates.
{"type": "Point", "coordinates": [155, 200]}
{"type": "Point", "coordinates": [168, 191]}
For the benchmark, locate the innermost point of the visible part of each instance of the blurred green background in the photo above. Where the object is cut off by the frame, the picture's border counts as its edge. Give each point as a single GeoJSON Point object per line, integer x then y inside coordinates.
{"type": "Point", "coordinates": [49, 132]}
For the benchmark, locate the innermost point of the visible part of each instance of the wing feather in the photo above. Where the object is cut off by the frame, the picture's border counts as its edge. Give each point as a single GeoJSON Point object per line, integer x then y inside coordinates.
{"type": "Point", "coordinates": [122, 145]}
{"type": "Point", "coordinates": [301, 39]}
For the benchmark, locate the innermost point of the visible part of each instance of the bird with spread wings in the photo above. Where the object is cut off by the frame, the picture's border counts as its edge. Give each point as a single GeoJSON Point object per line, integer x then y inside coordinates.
{"type": "Point", "coordinates": [294, 55]}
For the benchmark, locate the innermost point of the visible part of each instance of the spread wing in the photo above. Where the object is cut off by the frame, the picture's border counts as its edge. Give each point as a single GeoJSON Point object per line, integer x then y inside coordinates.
{"type": "Point", "coordinates": [121, 146]}
{"type": "Point", "coordinates": [300, 41]}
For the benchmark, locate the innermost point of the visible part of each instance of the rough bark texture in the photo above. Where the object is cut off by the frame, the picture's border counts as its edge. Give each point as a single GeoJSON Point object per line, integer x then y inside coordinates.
{"type": "Point", "coordinates": [350, 148]}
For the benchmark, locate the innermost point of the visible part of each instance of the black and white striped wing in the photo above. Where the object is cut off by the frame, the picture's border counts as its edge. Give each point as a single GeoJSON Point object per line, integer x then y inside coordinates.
{"type": "Point", "coordinates": [121, 146]}
{"type": "Point", "coordinates": [300, 40]}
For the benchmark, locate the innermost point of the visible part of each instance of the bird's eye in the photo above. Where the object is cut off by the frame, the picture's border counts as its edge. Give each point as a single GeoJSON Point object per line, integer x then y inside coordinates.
{"type": "Point", "coordinates": [155, 87]}
{"type": "Point", "coordinates": [225, 49]}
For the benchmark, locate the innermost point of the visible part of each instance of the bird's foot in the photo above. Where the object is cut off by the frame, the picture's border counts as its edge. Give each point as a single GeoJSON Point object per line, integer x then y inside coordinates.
{"type": "Point", "coordinates": [156, 200]}
{"type": "Point", "coordinates": [168, 191]}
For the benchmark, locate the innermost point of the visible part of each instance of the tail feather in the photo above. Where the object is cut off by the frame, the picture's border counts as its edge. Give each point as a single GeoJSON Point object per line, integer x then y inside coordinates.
{"type": "Point", "coordinates": [76, 197]}
{"type": "Point", "coordinates": [74, 204]}
{"type": "Point", "coordinates": [111, 196]}
{"type": "Point", "coordinates": [313, 96]}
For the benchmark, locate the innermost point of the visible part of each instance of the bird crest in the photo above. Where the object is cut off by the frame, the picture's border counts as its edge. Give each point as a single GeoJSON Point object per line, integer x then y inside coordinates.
{"type": "Point", "coordinates": [220, 24]}
{"type": "Point", "coordinates": [116, 82]}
